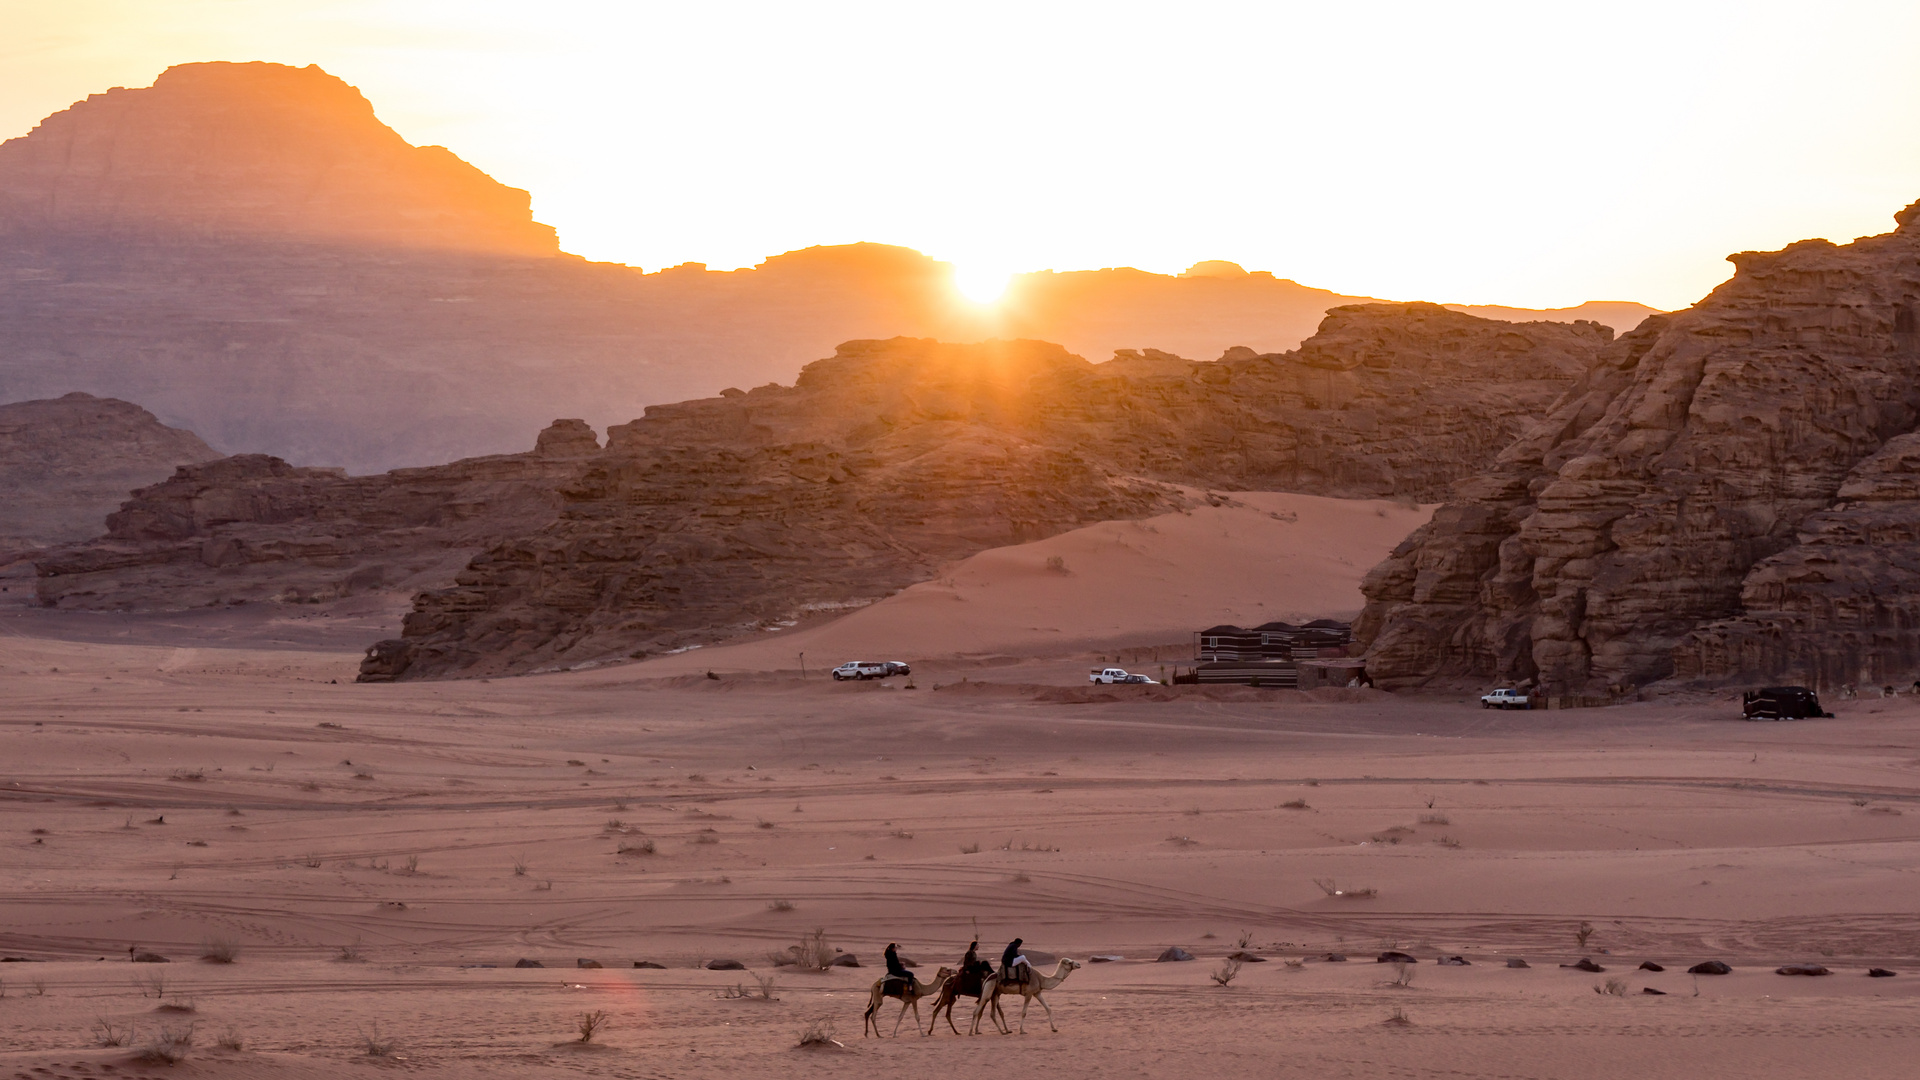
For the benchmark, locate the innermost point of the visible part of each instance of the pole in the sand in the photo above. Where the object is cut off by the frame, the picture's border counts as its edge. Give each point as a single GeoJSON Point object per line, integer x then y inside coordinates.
{"type": "Point", "coordinates": [803, 665]}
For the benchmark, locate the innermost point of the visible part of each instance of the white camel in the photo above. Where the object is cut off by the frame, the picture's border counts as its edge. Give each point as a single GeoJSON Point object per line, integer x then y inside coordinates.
{"type": "Point", "coordinates": [1029, 990]}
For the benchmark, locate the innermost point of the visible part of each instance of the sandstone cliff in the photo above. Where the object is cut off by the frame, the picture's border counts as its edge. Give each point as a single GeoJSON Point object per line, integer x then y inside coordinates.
{"type": "Point", "coordinates": [247, 249]}
{"type": "Point", "coordinates": [66, 463]}
{"type": "Point", "coordinates": [713, 517]}
{"type": "Point", "coordinates": [253, 151]}
{"type": "Point", "coordinates": [1727, 494]}
{"type": "Point", "coordinates": [253, 528]}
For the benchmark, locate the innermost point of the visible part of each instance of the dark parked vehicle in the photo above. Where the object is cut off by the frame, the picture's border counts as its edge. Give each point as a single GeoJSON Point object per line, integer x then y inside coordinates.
{"type": "Point", "coordinates": [1782, 703]}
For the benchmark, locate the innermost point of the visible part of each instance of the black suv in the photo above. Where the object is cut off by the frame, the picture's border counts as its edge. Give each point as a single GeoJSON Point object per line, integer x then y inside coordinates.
{"type": "Point", "coordinates": [1782, 703]}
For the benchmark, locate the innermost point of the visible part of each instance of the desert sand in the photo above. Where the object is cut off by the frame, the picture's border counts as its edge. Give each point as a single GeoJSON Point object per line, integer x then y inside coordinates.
{"type": "Point", "coordinates": [382, 855]}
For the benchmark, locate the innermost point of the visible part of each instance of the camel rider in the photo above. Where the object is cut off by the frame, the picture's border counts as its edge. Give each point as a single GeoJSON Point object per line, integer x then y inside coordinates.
{"type": "Point", "coordinates": [973, 971]}
{"type": "Point", "coordinates": [1013, 965]}
{"type": "Point", "coordinates": [898, 970]}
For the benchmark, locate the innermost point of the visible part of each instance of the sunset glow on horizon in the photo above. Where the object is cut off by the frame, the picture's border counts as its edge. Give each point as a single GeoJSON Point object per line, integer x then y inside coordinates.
{"type": "Point", "coordinates": [1473, 153]}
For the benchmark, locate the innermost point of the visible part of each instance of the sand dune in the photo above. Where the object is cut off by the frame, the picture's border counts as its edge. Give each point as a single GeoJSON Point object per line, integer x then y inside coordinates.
{"type": "Point", "coordinates": [1258, 557]}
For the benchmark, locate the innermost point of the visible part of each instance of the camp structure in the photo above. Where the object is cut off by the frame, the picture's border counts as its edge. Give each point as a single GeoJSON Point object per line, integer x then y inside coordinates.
{"type": "Point", "coordinates": [1271, 654]}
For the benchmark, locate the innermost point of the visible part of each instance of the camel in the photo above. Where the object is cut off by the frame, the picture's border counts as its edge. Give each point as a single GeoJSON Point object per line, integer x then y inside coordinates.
{"type": "Point", "coordinates": [909, 995]}
{"type": "Point", "coordinates": [961, 985]}
{"type": "Point", "coordinates": [1029, 991]}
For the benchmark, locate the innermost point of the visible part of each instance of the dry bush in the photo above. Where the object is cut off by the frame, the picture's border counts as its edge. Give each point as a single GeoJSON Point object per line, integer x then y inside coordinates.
{"type": "Point", "coordinates": [901, 834]}
{"type": "Point", "coordinates": [1057, 564]}
{"type": "Point", "coordinates": [231, 1040]}
{"type": "Point", "coordinates": [1332, 888]}
{"type": "Point", "coordinates": [108, 1033]}
{"type": "Point", "coordinates": [1296, 965]}
{"type": "Point", "coordinates": [376, 1044]}
{"type": "Point", "coordinates": [1447, 842]}
{"type": "Point", "coordinates": [1244, 941]}
{"type": "Point", "coordinates": [1020, 877]}
{"type": "Point", "coordinates": [151, 983]}
{"type": "Point", "coordinates": [590, 1024]}
{"type": "Point", "coordinates": [177, 1005]}
{"type": "Point", "coordinates": [762, 823]}
{"type": "Point", "coordinates": [413, 864]}
{"type": "Point", "coordinates": [220, 949]}
{"type": "Point", "coordinates": [1611, 988]}
{"type": "Point", "coordinates": [643, 847]}
{"type": "Point", "coordinates": [1403, 973]}
{"type": "Point", "coordinates": [1581, 934]}
{"type": "Point", "coordinates": [311, 862]}
{"type": "Point", "coordinates": [1294, 804]}
{"type": "Point", "coordinates": [1229, 970]}
{"type": "Point", "coordinates": [780, 905]}
{"type": "Point", "coordinates": [167, 1047]}
{"type": "Point", "coordinates": [970, 849]}
{"type": "Point", "coordinates": [349, 953]}
{"type": "Point", "coordinates": [39, 986]}
{"type": "Point", "coordinates": [519, 866]}
{"type": "Point", "coordinates": [818, 1032]}
{"type": "Point", "coordinates": [815, 952]}
{"type": "Point", "coordinates": [1398, 1019]}
{"type": "Point", "coordinates": [1435, 819]}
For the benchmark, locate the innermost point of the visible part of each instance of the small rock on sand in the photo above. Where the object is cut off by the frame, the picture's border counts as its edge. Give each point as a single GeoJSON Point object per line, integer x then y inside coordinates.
{"type": "Point", "coordinates": [1334, 958]}
{"type": "Point", "coordinates": [1710, 967]}
{"type": "Point", "coordinates": [1585, 963]}
{"type": "Point", "coordinates": [1454, 961]}
{"type": "Point", "coordinates": [585, 963]}
{"type": "Point", "coordinates": [649, 964]}
{"type": "Point", "coordinates": [1880, 973]}
{"type": "Point", "coordinates": [1246, 957]}
{"type": "Point", "coordinates": [728, 965]}
{"type": "Point", "coordinates": [846, 959]}
{"type": "Point", "coordinates": [1801, 969]}
{"type": "Point", "coordinates": [1173, 953]}
{"type": "Point", "coordinates": [1648, 965]}
{"type": "Point", "coordinates": [1516, 962]}
{"type": "Point", "coordinates": [524, 962]}
{"type": "Point", "coordinates": [1651, 990]}
{"type": "Point", "coordinates": [150, 958]}
{"type": "Point", "coordinates": [1395, 956]}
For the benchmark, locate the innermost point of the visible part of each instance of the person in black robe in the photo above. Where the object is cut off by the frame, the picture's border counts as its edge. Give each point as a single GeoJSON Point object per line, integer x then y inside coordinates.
{"type": "Point", "coordinates": [897, 970]}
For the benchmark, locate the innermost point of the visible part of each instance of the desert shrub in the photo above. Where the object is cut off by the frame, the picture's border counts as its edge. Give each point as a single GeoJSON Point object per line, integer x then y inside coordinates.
{"type": "Point", "coordinates": [1229, 970]}
{"type": "Point", "coordinates": [970, 849]}
{"type": "Point", "coordinates": [780, 905]}
{"type": "Point", "coordinates": [1398, 1019]}
{"type": "Point", "coordinates": [642, 847]}
{"type": "Point", "coordinates": [220, 949]}
{"type": "Point", "coordinates": [818, 1032]}
{"type": "Point", "coordinates": [1402, 973]}
{"type": "Point", "coordinates": [108, 1033]}
{"type": "Point", "coordinates": [519, 866]}
{"type": "Point", "coordinates": [348, 953]}
{"type": "Point", "coordinates": [1612, 988]}
{"type": "Point", "coordinates": [168, 1046]}
{"type": "Point", "coordinates": [1294, 804]}
{"type": "Point", "coordinates": [1435, 819]}
{"type": "Point", "coordinates": [815, 952]}
{"type": "Point", "coordinates": [1332, 888]}
{"type": "Point", "coordinates": [590, 1024]}
{"type": "Point", "coordinates": [151, 983]}
{"type": "Point", "coordinates": [1581, 934]}
{"type": "Point", "coordinates": [375, 1043]}
{"type": "Point", "coordinates": [231, 1040]}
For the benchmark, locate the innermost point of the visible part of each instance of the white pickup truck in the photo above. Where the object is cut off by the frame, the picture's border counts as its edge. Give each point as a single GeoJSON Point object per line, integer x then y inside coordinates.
{"type": "Point", "coordinates": [1109, 676]}
{"type": "Point", "coordinates": [1505, 699]}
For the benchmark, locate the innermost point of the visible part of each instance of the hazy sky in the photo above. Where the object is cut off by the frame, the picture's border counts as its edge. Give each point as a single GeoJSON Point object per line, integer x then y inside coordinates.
{"type": "Point", "coordinates": [1533, 153]}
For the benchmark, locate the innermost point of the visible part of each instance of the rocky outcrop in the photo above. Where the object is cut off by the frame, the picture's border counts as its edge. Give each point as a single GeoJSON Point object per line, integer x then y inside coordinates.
{"type": "Point", "coordinates": [67, 462]}
{"type": "Point", "coordinates": [253, 528]}
{"type": "Point", "coordinates": [714, 517]}
{"type": "Point", "coordinates": [254, 151]}
{"type": "Point", "coordinates": [1725, 494]}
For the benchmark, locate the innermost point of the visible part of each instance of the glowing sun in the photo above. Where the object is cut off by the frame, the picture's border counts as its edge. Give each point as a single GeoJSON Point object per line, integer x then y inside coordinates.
{"type": "Point", "coordinates": [982, 285]}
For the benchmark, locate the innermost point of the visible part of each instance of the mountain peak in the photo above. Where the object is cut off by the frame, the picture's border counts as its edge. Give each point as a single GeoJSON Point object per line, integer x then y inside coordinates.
{"type": "Point", "coordinates": [254, 151]}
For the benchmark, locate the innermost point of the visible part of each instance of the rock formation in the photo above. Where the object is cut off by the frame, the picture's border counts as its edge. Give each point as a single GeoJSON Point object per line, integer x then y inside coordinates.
{"type": "Point", "coordinates": [715, 517]}
{"type": "Point", "coordinates": [1727, 494]}
{"type": "Point", "coordinates": [66, 463]}
{"type": "Point", "coordinates": [253, 151]}
{"type": "Point", "coordinates": [253, 528]}
{"type": "Point", "coordinates": [246, 249]}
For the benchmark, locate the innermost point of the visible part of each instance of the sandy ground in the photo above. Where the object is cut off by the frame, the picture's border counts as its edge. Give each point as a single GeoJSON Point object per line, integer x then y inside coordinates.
{"type": "Point", "coordinates": [192, 794]}
{"type": "Point", "coordinates": [1117, 586]}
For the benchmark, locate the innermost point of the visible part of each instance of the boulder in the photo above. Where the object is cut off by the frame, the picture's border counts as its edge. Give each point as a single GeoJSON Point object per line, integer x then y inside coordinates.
{"type": "Point", "coordinates": [1880, 973]}
{"type": "Point", "coordinates": [1801, 969]}
{"type": "Point", "coordinates": [1516, 962]}
{"type": "Point", "coordinates": [845, 959]}
{"type": "Point", "coordinates": [1710, 967]}
{"type": "Point", "coordinates": [1651, 990]}
{"type": "Point", "coordinates": [1173, 953]}
{"type": "Point", "coordinates": [725, 965]}
{"type": "Point", "coordinates": [1246, 957]}
{"type": "Point", "coordinates": [1334, 958]}
{"type": "Point", "coordinates": [584, 963]}
{"type": "Point", "coordinates": [523, 962]}
{"type": "Point", "coordinates": [1648, 965]}
{"type": "Point", "coordinates": [648, 964]}
{"type": "Point", "coordinates": [1395, 956]}
{"type": "Point", "coordinates": [1585, 963]}
{"type": "Point", "coordinates": [145, 957]}
{"type": "Point", "coordinates": [1454, 961]}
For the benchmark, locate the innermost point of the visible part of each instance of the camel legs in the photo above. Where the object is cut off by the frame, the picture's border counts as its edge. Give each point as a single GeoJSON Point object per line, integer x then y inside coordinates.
{"type": "Point", "coordinates": [904, 1004]}
{"type": "Point", "coordinates": [866, 1020]}
{"type": "Point", "coordinates": [1049, 1008]}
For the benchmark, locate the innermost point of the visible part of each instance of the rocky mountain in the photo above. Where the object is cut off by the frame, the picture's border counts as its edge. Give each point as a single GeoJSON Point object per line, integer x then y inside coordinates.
{"type": "Point", "coordinates": [66, 463]}
{"type": "Point", "coordinates": [253, 528]}
{"type": "Point", "coordinates": [248, 251]}
{"type": "Point", "coordinates": [1729, 493]}
{"type": "Point", "coordinates": [714, 517]}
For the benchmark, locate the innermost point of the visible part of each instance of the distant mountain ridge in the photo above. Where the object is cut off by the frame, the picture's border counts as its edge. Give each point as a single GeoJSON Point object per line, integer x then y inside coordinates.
{"type": "Point", "coordinates": [248, 251]}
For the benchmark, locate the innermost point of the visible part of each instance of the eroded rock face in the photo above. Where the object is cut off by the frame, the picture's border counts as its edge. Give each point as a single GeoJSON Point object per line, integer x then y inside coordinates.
{"type": "Point", "coordinates": [714, 517]}
{"type": "Point", "coordinates": [256, 151]}
{"type": "Point", "coordinates": [254, 528]}
{"type": "Point", "coordinates": [1725, 494]}
{"type": "Point", "coordinates": [65, 463]}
